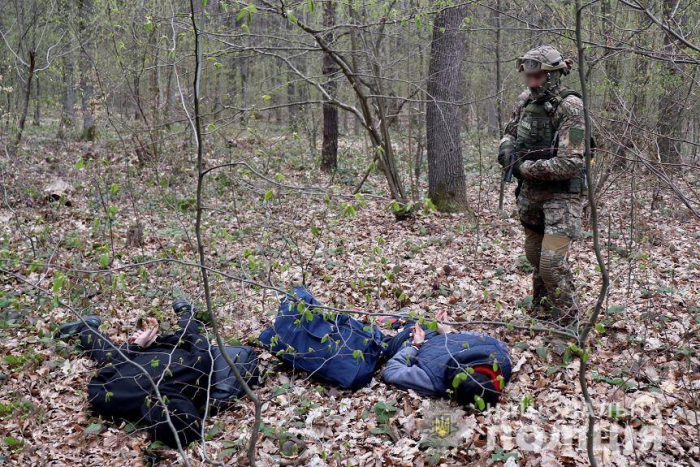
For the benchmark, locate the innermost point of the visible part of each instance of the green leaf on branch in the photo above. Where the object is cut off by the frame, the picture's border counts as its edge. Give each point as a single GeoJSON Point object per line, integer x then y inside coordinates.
{"type": "Point", "coordinates": [459, 378]}
{"type": "Point", "coordinates": [58, 281]}
{"type": "Point", "coordinates": [358, 355]}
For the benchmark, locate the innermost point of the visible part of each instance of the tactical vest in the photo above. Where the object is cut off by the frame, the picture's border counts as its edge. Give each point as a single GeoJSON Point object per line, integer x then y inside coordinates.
{"type": "Point", "coordinates": [535, 132]}
{"type": "Point", "coordinates": [537, 139]}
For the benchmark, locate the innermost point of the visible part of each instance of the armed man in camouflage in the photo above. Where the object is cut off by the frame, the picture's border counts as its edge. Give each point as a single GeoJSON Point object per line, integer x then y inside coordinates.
{"type": "Point", "coordinates": [544, 145]}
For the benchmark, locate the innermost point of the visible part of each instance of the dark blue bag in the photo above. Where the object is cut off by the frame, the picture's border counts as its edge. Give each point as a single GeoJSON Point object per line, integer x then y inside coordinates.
{"type": "Point", "coordinates": [332, 346]}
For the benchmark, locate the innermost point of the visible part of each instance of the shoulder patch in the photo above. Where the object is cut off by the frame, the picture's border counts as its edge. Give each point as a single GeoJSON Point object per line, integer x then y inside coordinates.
{"type": "Point", "coordinates": [573, 100]}
{"type": "Point", "coordinates": [571, 106]}
{"type": "Point", "coordinates": [575, 135]}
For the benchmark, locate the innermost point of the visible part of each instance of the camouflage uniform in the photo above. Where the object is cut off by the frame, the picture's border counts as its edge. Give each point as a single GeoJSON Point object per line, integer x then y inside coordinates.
{"type": "Point", "coordinates": [550, 192]}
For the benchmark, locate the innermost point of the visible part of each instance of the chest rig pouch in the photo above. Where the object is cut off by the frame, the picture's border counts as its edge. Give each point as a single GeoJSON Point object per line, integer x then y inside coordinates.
{"type": "Point", "coordinates": [535, 132]}
{"type": "Point", "coordinates": [537, 139]}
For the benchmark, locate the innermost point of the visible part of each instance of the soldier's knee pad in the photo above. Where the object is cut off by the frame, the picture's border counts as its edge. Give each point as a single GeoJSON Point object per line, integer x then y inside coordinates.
{"type": "Point", "coordinates": [533, 246]}
{"type": "Point", "coordinates": [554, 250]}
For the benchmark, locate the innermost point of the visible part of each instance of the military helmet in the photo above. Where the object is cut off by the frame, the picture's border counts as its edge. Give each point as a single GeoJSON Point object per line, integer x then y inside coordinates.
{"type": "Point", "coordinates": [545, 58]}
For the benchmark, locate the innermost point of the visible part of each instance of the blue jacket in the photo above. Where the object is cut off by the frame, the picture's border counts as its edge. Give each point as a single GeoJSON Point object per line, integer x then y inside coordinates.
{"type": "Point", "coordinates": [432, 368]}
{"type": "Point", "coordinates": [332, 346]}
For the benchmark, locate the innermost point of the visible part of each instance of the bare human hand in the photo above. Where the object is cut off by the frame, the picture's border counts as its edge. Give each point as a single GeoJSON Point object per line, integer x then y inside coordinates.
{"type": "Point", "coordinates": [443, 328]}
{"type": "Point", "coordinates": [418, 334]}
{"type": "Point", "coordinates": [147, 335]}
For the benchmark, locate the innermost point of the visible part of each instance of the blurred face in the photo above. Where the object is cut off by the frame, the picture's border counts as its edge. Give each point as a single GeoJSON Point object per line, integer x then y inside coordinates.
{"type": "Point", "coordinates": [536, 79]}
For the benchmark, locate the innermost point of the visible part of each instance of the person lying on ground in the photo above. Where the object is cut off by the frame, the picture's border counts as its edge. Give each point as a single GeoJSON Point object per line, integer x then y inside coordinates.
{"type": "Point", "coordinates": [182, 364]}
{"type": "Point", "coordinates": [472, 368]}
{"type": "Point", "coordinates": [330, 346]}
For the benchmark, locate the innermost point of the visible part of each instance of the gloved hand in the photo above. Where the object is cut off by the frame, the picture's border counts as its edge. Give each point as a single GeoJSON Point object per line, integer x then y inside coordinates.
{"type": "Point", "coordinates": [516, 169]}
{"type": "Point", "coordinates": [504, 155]}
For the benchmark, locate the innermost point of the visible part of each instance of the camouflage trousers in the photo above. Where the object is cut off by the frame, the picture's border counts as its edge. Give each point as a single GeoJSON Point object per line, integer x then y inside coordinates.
{"type": "Point", "coordinates": [551, 222]}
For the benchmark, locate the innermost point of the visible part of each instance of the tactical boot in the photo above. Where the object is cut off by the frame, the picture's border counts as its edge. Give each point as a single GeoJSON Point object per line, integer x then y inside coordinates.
{"type": "Point", "coordinates": [181, 305]}
{"type": "Point", "coordinates": [541, 305]}
{"type": "Point", "coordinates": [76, 327]}
{"type": "Point", "coordinates": [541, 310]}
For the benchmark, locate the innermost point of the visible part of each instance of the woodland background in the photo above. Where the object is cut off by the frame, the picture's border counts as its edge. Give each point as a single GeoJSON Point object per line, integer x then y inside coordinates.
{"type": "Point", "coordinates": [225, 151]}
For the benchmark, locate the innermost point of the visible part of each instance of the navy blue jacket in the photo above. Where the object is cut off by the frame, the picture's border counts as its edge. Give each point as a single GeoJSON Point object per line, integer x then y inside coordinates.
{"type": "Point", "coordinates": [331, 346]}
{"type": "Point", "coordinates": [432, 368]}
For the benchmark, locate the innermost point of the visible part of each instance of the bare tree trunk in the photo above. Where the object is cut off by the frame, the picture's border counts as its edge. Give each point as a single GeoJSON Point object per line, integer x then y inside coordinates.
{"type": "Point", "coordinates": [200, 244]}
{"type": "Point", "coordinates": [499, 79]}
{"type": "Point", "coordinates": [244, 82]}
{"type": "Point", "coordinates": [420, 146]}
{"type": "Point", "coordinates": [293, 93]}
{"type": "Point", "coordinates": [276, 79]}
{"type": "Point", "coordinates": [612, 71]}
{"type": "Point", "coordinates": [593, 318]}
{"type": "Point", "coordinates": [670, 108]}
{"type": "Point", "coordinates": [154, 127]}
{"type": "Point", "coordinates": [27, 93]}
{"type": "Point", "coordinates": [329, 152]}
{"type": "Point", "coordinates": [243, 70]}
{"type": "Point", "coordinates": [86, 88]}
{"type": "Point", "coordinates": [446, 178]}
{"type": "Point", "coordinates": [69, 96]}
{"type": "Point", "coordinates": [499, 97]}
{"type": "Point", "coordinates": [218, 95]}
{"type": "Point", "coordinates": [7, 111]}
{"type": "Point", "coordinates": [68, 74]}
{"type": "Point", "coordinates": [137, 96]}
{"type": "Point", "coordinates": [169, 98]}
{"type": "Point", "coordinates": [37, 104]}
{"type": "Point", "coordinates": [292, 110]}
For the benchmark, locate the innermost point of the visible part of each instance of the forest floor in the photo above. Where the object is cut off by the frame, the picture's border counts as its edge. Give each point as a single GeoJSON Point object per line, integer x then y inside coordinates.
{"type": "Point", "coordinates": [644, 371]}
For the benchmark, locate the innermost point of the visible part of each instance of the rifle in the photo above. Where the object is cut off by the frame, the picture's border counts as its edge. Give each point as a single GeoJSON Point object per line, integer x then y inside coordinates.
{"type": "Point", "coordinates": [508, 176]}
{"type": "Point", "coordinates": [536, 155]}
{"type": "Point", "coordinates": [546, 153]}
{"type": "Point", "coordinates": [512, 159]}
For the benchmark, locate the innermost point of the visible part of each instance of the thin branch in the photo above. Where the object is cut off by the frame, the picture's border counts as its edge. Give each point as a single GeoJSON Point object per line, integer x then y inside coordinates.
{"type": "Point", "coordinates": [200, 244]}
{"type": "Point", "coordinates": [583, 339]}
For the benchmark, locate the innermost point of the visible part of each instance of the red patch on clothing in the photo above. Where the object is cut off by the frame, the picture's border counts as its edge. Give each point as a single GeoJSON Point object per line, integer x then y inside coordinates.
{"type": "Point", "coordinates": [488, 371]}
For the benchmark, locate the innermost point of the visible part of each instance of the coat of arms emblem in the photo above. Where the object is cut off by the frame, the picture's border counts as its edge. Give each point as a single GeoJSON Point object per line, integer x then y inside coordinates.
{"type": "Point", "coordinates": [442, 425]}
